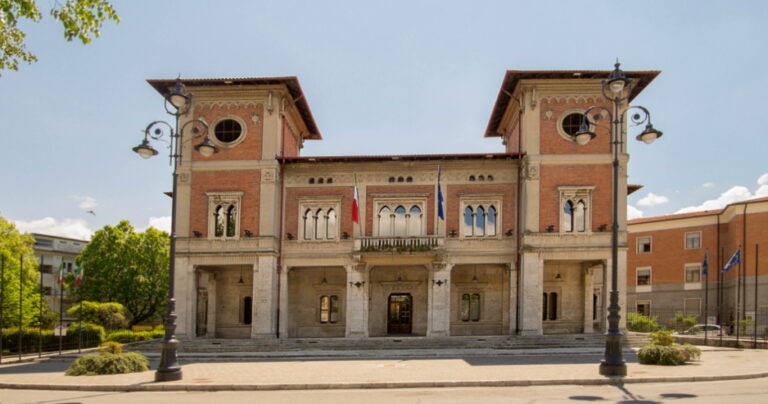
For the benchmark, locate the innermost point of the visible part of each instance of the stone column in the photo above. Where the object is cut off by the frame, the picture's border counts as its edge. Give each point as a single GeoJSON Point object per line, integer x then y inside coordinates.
{"type": "Point", "coordinates": [588, 303]}
{"type": "Point", "coordinates": [512, 298]}
{"type": "Point", "coordinates": [264, 298]}
{"type": "Point", "coordinates": [283, 303]}
{"type": "Point", "coordinates": [532, 288]}
{"type": "Point", "coordinates": [439, 288]}
{"type": "Point", "coordinates": [212, 297]}
{"type": "Point", "coordinates": [356, 318]}
{"type": "Point", "coordinates": [184, 294]}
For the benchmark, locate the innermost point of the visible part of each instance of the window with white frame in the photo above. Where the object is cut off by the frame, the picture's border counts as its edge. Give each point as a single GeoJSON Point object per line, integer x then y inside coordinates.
{"type": "Point", "coordinates": [643, 276]}
{"type": "Point", "coordinates": [399, 218]}
{"type": "Point", "coordinates": [575, 216]}
{"type": "Point", "coordinates": [644, 245]}
{"type": "Point", "coordinates": [692, 240]}
{"type": "Point", "coordinates": [480, 215]}
{"type": "Point", "coordinates": [643, 307]}
{"type": "Point", "coordinates": [224, 210]}
{"type": "Point", "coordinates": [319, 220]}
{"type": "Point", "coordinates": [692, 273]}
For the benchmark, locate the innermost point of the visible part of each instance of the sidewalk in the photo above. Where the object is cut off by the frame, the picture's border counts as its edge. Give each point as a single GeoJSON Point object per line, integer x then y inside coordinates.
{"type": "Point", "coordinates": [396, 369]}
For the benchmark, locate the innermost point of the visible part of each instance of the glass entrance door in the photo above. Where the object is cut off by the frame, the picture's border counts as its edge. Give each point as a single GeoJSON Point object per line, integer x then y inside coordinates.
{"type": "Point", "coordinates": [399, 312]}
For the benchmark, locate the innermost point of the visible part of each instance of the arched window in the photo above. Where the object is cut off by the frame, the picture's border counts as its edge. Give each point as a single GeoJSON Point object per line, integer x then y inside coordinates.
{"type": "Point", "coordinates": [490, 227]}
{"type": "Point", "coordinates": [309, 225]}
{"type": "Point", "coordinates": [481, 178]}
{"type": "Point", "coordinates": [331, 234]}
{"type": "Point", "coordinates": [469, 219]}
{"type": "Point", "coordinates": [471, 178]}
{"type": "Point", "coordinates": [579, 216]}
{"type": "Point", "coordinates": [220, 220]}
{"type": "Point", "coordinates": [231, 220]}
{"type": "Point", "coordinates": [480, 221]}
{"type": "Point", "coordinates": [321, 229]}
{"type": "Point", "coordinates": [568, 216]}
{"type": "Point", "coordinates": [414, 221]}
{"type": "Point", "coordinates": [385, 222]}
{"type": "Point", "coordinates": [400, 221]}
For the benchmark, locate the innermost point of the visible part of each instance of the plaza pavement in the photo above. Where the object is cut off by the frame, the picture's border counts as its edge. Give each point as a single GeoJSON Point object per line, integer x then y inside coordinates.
{"type": "Point", "coordinates": [390, 369]}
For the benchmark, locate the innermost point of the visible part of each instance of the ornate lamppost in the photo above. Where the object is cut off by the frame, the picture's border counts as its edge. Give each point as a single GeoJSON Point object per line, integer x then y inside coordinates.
{"type": "Point", "coordinates": [178, 102]}
{"type": "Point", "coordinates": [616, 88]}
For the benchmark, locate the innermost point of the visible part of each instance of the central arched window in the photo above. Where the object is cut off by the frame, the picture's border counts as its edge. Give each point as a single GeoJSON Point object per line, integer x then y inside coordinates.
{"type": "Point", "coordinates": [224, 210]}
{"type": "Point", "coordinates": [400, 221]}
{"type": "Point", "coordinates": [319, 224]}
{"type": "Point", "coordinates": [574, 213]}
{"type": "Point", "coordinates": [225, 220]}
{"type": "Point", "coordinates": [480, 220]}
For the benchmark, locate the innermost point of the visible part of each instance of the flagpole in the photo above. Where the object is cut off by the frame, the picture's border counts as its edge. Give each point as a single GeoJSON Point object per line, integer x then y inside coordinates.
{"type": "Point", "coordinates": [738, 300]}
{"type": "Point", "coordinates": [754, 320]}
{"type": "Point", "coordinates": [21, 300]}
{"type": "Point", "coordinates": [61, 305]}
{"type": "Point", "coordinates": [2, 301]}
{"type": "Point", "coordinates": [721, 277]}
{"type": "Point", "coordinates": [40, 321]}
{"type": "Point", "coordinates": [706, 296]}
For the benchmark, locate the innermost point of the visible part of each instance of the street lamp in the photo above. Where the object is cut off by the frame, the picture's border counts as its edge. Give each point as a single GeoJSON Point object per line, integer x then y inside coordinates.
{"type": "Point", "coordinates": [177, 103]}
{"type": "Point", "coordinates": [616, 89]}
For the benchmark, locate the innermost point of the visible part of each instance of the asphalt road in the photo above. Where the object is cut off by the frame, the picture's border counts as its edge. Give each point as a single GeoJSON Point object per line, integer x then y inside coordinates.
{"type": "Point", "coordinates": [730, 392]}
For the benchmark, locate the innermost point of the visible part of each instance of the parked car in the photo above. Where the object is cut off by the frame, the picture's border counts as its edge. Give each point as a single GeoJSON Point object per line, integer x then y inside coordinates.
{"type": "Point", "coordinates": [712, 329]}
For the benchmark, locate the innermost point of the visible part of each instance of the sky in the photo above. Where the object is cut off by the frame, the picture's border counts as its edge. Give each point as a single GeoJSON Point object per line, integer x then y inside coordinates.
{"type": "Point", "coordinates": [395, 77]}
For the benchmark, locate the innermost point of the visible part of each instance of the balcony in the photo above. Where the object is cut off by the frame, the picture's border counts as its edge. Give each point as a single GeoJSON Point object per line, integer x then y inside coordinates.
{"type": "Point", "coordinates": [398, 244]}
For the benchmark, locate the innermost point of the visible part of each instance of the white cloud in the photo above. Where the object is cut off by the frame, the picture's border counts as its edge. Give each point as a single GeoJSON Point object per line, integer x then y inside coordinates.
{"type": "Point", "coordinates": [708, 184]}
{"type": "Point", "coordinates": [85, 202]}
{"type": "Point", "coordinates": [72, 228]}
{"type": "Point", "coordinates": [161, 223]}
{"type": "Point", "coordinates": [652, 200]}
{"type": "Point", "coordinates": [633, 212]}
{"type": "Point", "coordinates": [735, 194]}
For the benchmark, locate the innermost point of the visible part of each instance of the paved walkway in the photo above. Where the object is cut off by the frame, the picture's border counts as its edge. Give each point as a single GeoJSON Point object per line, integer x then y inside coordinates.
{"type": "Point", "coordinates": [393, 369]}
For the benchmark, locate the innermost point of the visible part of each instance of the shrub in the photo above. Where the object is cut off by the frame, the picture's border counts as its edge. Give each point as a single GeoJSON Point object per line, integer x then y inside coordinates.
{"type": "Point", "coordinates": [681, 322]}
{"type": "Point", "coordinates": [92, 335]}
{"type": "Point", "coordinates": [109, 315]}
{"type": "Point", "coordinates": [111, 347]}
{"type": "Point", "coordinates": [108, 364]}
{"type": "Point", "coordinates": [126, 336]}
{"type": "Point", "coordinates": [663, 338]}
{"type": "Point", "coordinates": [663, 351]}
{"type": "Point", "coordinates": [640, 323]}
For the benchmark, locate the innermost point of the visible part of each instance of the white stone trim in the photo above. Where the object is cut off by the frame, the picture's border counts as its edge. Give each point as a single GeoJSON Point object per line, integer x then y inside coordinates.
{"type": "Point", "coordinates": [575, 194]}
{"type": "Point", "coordinates": [224, 197]}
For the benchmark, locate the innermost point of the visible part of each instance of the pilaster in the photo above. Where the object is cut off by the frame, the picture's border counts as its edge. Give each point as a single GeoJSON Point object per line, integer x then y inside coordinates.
{"type": "Point", "coordinates": [532, 289]}
{"type": "Point", "coordinates": [439, 290]}
{"type": "Point", "coordinates": [357, 301]}
{"type": "Point", "coordinates": [588, 303]}
{"type": "Point", "coordinates": [264, 298]}
{"type": "Point", "coordinates": [283, 303]}
{"type": "Point", "coordinates": [513, 293]}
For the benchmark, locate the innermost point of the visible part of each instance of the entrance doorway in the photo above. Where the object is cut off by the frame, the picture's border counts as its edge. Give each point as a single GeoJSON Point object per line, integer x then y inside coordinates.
{"type": "Point", "coordinates": [202, 313]}
{"type": "Point", "coordinates": [399, 312]}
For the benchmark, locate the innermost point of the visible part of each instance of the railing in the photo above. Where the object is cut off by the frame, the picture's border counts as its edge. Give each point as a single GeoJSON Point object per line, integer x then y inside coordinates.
{"type": "Point", "coordinates": [399, 244]}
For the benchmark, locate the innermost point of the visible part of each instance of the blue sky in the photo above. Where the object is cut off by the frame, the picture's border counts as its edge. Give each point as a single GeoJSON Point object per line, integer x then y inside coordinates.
{"type": "Point", "coordinates": [381, 77]}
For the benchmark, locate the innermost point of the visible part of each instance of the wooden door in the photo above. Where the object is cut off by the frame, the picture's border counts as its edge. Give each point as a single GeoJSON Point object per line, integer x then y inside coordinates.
{"type": "Point", "coordinates": [399, 313]}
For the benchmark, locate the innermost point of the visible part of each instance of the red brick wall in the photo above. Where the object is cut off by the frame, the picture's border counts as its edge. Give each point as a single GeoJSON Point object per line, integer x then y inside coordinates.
{"type": "Point", "coordinates": [396, 189]}
{"type": "Point", "coordinates": [553, 176]}
{"type": "Point", "coordinates": [292, 206]}
{"type": "Point", "coordinates": [513, 142]}
{"type": "Point", "coordinates": [553, 143]}
{"type": "Point", "coordinates": [290, 145]}
{"type": "Point", "coordinates": [454, 215]}
{"type": "Point", "coordinates": [250, 148]}
{"type": "Point", "coordinates": [246, 181]}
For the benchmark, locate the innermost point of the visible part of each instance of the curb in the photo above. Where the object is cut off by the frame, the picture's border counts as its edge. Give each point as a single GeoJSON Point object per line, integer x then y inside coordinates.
{"type": "Point", "coordinates": [375, 385]}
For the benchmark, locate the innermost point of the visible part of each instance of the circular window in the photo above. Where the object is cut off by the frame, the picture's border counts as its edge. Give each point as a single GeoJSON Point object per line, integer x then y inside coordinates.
{"type": "Point", "coordinates": [571, 123]}
{"type": "Point", "coordinates": [228, 131]}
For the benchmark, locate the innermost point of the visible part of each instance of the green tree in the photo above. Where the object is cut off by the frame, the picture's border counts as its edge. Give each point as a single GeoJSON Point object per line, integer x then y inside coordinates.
{"type": "Point", "coordinates": [108, 315]}
{"type": "Point", "coordinates": [12, 246]}
{"type": "Point", "coordinates": [130, 268]}
{"type": "Point", "coordinates": [81, 19]}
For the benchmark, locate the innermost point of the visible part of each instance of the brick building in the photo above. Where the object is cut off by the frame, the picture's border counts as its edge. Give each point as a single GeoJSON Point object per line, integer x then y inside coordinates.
{"type": "Point", "coordinates": [267, 246]}
{"type": "Point", "coordinates": [664, 264]}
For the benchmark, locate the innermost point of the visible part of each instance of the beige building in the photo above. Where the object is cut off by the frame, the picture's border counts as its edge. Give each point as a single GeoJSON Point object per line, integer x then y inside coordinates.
{"type": "Point", "coordinates": [267, 245]}
{"type": "Point", "coordinates": [54, 253]}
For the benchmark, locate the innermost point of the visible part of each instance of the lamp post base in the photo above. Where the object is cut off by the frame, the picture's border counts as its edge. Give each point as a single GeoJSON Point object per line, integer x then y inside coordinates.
{"type": "Point", "coordinates": [169, 375]}
{"type": "Point", "coordinates": [613, 368]}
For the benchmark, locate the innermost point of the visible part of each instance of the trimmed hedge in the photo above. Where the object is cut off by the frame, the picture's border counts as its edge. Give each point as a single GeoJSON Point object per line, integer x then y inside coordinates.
{"type": "Point", "coordinates": [92, 335]}
{"type": "Point", "coordinates": [126, 336]}
{"type": "Point", "coordinates": [108, 364]}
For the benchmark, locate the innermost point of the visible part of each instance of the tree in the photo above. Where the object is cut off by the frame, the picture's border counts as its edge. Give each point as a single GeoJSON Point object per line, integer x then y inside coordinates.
{"type": "Point", "coordinates": [130, 268]}
{"type": "Point", "coordinates": [12, 246]}
{"type": "Point", "coordinates": [111, 316]}
{"type": "Point", "coordinates": [81, 19]}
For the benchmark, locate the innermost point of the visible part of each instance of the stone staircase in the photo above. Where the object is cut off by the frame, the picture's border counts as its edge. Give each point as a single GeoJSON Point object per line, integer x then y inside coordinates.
{"type": "Point", "coordinates": [206, 345]}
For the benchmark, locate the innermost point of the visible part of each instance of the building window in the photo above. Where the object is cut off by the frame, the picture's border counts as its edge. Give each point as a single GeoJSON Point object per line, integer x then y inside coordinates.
{"type": "Point", "coordinates": [692, 240]}
{"type": "Point", "coordinates": [643, 277]}
{"type": "Point", "coordinates": [247, 310]}
{"type": "Point", "coordinates": [692, 273]}
{"type": "Point", "coordinates": [329, 309]}
{"type": "Point", "coordinates": [480, 219]}
{"type": "Point", "coordinates": [227, 131]}
{"type": "Point", "coordinates": [46, 269]}
{"type": "Point", "coordinates": [571, 123]}
{"type": "Point", "coordinates": [320, 223]}
{"type": "Point", "coordinates": [643, 307]}
{"type": "Point", "coordinates": [470, 307]}
{"type": "Point", "coordinates": [549, 306]}
{"type": "Point", "coordinates": [574, 205]}
{"type": "Point", "coordinates": [644, 245]}
{"type": "Point", "coordinates": [400, 220]}
{"type": "Point", "coordinates": [225, 214]}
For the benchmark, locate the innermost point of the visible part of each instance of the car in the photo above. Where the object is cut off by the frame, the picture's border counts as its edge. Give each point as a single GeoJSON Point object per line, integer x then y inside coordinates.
{"type": "Point", "coordinates": [712, 329]}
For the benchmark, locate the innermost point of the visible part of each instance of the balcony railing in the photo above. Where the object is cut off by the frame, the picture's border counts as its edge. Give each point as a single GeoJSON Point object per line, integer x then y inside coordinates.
{"type": "Point", "coordinates": [399, 244]}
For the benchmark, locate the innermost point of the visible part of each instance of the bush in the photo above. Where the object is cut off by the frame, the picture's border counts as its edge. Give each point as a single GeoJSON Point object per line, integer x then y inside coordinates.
{"type": "Point", "coordinates": [663, 351]}
{"type": "Point", "coordinates": [681, 322]}
{"type": "Point", "coordinates": [108, 364]}
{"type": "Point", "coordinates": [663, 338]}
{"type": "Point", "coordinates": [640, 323]}
{"type": "Point", "coordinates": [92, 336]}
{"type": "Point", "coordinates": [126, 336]}
{"type": "Point", "coordinates": [111, 347]}
{"type": "Point", "coordinates": [109, 315]}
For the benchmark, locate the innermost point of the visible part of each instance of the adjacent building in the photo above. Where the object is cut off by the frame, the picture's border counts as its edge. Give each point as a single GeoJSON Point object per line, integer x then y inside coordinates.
{"type": "Point", "coordinates": [509, 243]}
{"type": "Point", "coordinates": [665, 264]}
{"type": "Point", "coordinates": [54, 254]}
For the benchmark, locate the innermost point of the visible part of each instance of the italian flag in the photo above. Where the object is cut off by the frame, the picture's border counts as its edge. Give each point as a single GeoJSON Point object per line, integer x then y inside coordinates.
{"type": "Point", "coordinates": [79, 277]}
{"type": "Point", "coordinates": [356, 207]}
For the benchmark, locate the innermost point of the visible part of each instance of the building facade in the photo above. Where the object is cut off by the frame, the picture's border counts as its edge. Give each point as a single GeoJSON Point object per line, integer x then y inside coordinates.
{"type": "Point", "coordinates": [54, 253]}
{"type": "Point", "coordinates": [665, 265]}
{"type": "Point", "coordinates": [267, 246]}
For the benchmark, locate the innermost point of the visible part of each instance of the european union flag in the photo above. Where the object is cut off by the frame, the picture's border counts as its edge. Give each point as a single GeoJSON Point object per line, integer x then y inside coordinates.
{"type": "Point", "coordinates": [440, 212]}
{"type": "Point", "coordinates": [705, 265]}
{"type": "Point", "coordinates": [735, 259]}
